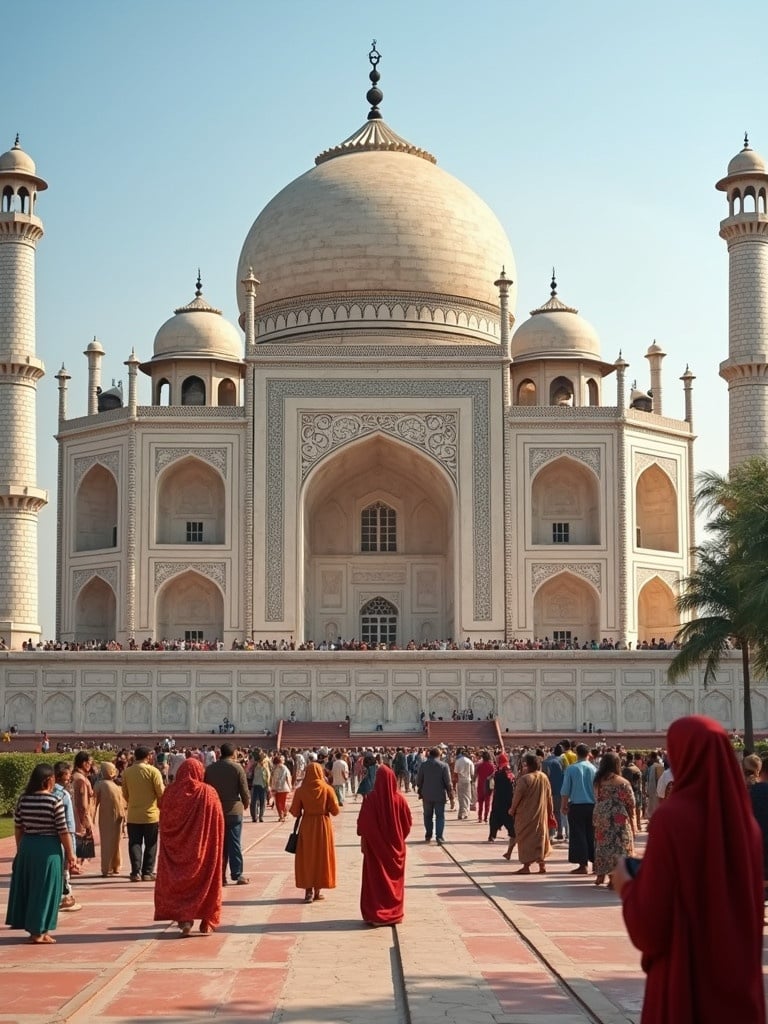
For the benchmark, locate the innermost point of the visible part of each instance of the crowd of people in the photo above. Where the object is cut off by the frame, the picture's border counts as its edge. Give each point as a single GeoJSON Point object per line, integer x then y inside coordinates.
{"type": "Point", "coordinates": [182, 809]}
{"type": "Point", "coordinates": [354, 644]}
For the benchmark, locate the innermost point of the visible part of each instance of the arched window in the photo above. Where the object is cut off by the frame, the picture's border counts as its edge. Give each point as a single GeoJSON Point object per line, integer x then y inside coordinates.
{"type": "Point", "coordinates": [378, 622]}
{"type": "Point", "coordinates": [163, 394]}
{"type": "Point", "coordinates": [7, 199]}
{"type": "Point", "coordinates": [561, 391]}
{"type": "Point", "coordinates": [378, 528]}
{"type": "Point", "coordinates": [526, 393]}
{"type": "Point", "coordinates": [193, 391]}
{"type": "Point", "coordinates": [227, 392]}
{"type": "Point", "coordinates": [24, 200]}
{"type": "Point", "coordinates": [592, 392]}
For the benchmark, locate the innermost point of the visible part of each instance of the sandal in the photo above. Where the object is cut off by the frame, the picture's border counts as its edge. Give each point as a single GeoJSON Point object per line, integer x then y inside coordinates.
{"type": "Point", "coordinates": [42, 940]}
{"type": "Point", "coordinates": [206, 927]}
{"type": "Point", "coordinates": [186, 928]}
{"type": "Point", "coordinates": [307, 895]}
{"type": "Point", "coordinates": [318, 895]}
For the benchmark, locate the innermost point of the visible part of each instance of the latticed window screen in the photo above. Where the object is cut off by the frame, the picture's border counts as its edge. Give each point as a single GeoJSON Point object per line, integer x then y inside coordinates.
{"type": "Point", "coordinates": [378, 528]}
{"type": "Point", "coordinates": [194, 533]}
{"type": "Point", "coordinates": [193, 636]}
{"type": "Point", "coordinates": [378, 622]}
{"type": "Point", "coordinates": [561, 634]}
{"type": "Point", "coordinates": [561, 533]}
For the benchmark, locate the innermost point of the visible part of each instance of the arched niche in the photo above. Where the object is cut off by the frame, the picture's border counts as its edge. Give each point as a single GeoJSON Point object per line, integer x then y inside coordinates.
{"type": "Point", "coordinates": [378, 622]}
{"type": "Point", "coordinates": [95, 611]}
{"type": "Point", "coordinates": [256, 712]}
{"type": "Point", "coordinates": [656, 509]}
{"type": "Point", "coordinates": [379, 470]}
{"type": "Point", "coordinates": [370, 708]}
{"type": "Point", "coordinates": [526, 392]}
{"type": "Point", "coordinates": [405, 708]}
{"type": "Point", "coordinates": [227, 392]}
{"type": "Point", "coordinates": [333, 707]}
{"type": "Point", "coordinates": [137, 711]}
{"type": "Point", "coordinates": [96, 510]}
{"type": "Point", "coordinates": [20, 711]}
{"type": "Point", "coordinates": [566, 606]}
{"type": "Point", "coordinates": [600, 709]}
{"type": "Point", "coordinates": [657, 616]}
{"type": "Point", "coordinates": [212, 709]}
{"type": "Point", "coordinates": [593, 392]}
{"type": "Point", "coordinates": [193, 391]}
{"type": "Point", "coordinates": [517, 711]}
{"type": "Point", "coordinates": [558, 711]}
{"type": "Point", "coordinates": [561, 391]}
{"type": "Point", "coordinates": [190, 504]}
{"type": "Point", "coordinates": [297, 704]}
{"type": "Point", "coordinates": [99, 712]}
{"type": "Point", "coordinates": [163, 392]}
{"type": "Point", "coordinates": [174, 712]}
{"type": "Point", "coordinates": [565, 504]}
{"type": "Point", "coordinates": [482, 704]}
{"type": "Point", "coordinates": [190, 607]}
{"type": "Point", "coordinates": [442, 704]}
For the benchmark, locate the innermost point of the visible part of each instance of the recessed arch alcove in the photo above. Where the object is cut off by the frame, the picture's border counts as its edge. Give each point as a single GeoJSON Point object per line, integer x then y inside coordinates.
{"type": "Point", "coordinates": [656, 504]}
{"type": "Point", "coordinates": [95, 611]}
{"type": "Point", "coordinates": [567, 607]}
{"type": "Point", "coordinates": [191, 607]}
{"type": "Point", "coordinates": [96, 510]}
{"type": "Point", "coordinates": [190, 504]}
{"type": "Point", "coordinates": [657, 616]}
{"type": "Point", "coordinates": [565, 504]}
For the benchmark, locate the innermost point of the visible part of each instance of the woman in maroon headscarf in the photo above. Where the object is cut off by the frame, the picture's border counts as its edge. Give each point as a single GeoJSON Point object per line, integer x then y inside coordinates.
{"type": "Point", "coordinates": [189, 868]}
{"type": "Point", "coordinates": [695, 907]}
{"type": "Point", "coordinates": [383, 826]}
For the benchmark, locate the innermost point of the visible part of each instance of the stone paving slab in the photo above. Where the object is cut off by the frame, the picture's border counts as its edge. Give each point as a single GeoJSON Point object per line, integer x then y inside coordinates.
{"type": "Point", "coordinates": [541, 950]}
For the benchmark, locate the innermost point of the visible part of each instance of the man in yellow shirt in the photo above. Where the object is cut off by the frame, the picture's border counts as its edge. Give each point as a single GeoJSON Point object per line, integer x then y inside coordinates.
{"type": "Point", "coordinates": [569, 754]}
{"type": "Point", "coordinates": [143, 791]}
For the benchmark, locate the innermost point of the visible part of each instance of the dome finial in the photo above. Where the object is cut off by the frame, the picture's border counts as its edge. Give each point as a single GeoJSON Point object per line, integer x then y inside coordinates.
{"type": "Point", "coordinates": [746, 140]}
{"type": "Point", "coordinates": [374, 94]}
{"type": "Point", "coordinates": [199, 285]}
{"type": "Point", "coordinates": [553, 285]}
{"type": "Point", "coordinates": [17, 143]}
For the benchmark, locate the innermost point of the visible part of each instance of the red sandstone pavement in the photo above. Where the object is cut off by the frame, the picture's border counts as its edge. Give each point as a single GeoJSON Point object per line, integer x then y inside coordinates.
{"type": "Point", "coordinates": [470, 957]}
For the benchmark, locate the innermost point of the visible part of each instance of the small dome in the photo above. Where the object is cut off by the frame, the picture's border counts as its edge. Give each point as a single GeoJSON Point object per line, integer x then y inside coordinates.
{"type": "Point", "coordinates": [747, 162]}
{"type": "Point", "coordinates": [555, 331]}
{"type": "Point", "coordinates": [198, 331]}
{"type": "Point", "coordinates": [16, 161]}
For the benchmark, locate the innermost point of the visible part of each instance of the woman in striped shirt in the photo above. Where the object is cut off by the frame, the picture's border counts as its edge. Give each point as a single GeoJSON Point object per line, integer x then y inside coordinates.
{"type": "Point", "coordinates": [36, 879]}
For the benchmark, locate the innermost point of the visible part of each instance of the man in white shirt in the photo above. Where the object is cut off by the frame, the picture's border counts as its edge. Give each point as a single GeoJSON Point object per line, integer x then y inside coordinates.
{"type": "Point", "coordinates": [465, 772]}
{"type": "Point", "coordinates": [339, 776]}
{"type": "Point", "coordinates": [664, 785]}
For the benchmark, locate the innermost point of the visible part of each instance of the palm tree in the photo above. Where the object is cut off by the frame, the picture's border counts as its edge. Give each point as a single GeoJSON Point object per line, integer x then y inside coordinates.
{"type": "Point", "coordinates": [727, 591]}
{"type": "Point", "coordinates": [714, 596]}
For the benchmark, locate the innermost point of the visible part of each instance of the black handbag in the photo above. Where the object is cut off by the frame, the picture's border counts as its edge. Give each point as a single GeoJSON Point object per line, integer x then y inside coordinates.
{"type": "Point", "coordinates": [85, 848]}
{"type": "Point", "coordinates": [293, 838]}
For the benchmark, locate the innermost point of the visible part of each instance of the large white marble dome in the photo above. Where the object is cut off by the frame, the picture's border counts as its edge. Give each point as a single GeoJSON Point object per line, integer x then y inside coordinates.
{"type": "Point", "coordinates": [375, 220]}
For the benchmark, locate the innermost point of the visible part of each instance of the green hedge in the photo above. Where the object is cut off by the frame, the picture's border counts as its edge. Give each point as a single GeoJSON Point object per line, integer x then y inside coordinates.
{"type": "Point", "coordinates": [15, 770]}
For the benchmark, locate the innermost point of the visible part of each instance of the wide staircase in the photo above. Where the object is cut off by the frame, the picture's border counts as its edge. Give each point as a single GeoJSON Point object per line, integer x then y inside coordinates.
{"type": "Point", "coordinates": [476, 733]}
{"type": "Point", "coordinates": [307, 735]}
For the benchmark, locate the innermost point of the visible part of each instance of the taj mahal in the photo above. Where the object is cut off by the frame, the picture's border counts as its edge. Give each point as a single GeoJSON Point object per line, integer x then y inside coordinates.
{"type": "Point", "coordinates": [383, 448]}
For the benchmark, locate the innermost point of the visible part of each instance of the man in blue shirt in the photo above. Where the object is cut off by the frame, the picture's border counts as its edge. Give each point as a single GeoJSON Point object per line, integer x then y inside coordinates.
{"type": "Point", "coordinates": [552, 767]}
{"type": "Point", "coordinates": [578, 803]}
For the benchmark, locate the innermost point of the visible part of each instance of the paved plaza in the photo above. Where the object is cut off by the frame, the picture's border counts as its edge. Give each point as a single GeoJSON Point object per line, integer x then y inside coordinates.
{"type": "Point", "coordinates": [479, 945]}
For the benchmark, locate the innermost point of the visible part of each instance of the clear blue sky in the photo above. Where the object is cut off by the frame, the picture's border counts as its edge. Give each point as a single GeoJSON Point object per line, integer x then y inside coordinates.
{"type": "Point", "coordinates": [595, 131]}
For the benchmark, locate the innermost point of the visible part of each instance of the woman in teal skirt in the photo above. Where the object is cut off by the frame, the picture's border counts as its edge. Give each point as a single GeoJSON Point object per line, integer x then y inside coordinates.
{"type": "Point", "coordinates": [36, 879]}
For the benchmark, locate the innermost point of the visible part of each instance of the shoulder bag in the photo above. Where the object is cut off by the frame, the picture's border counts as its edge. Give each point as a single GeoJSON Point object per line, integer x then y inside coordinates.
{"type": "Point", "coordinates": [293, 838]}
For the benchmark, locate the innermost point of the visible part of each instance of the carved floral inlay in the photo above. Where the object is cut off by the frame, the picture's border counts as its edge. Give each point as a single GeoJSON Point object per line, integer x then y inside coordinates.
{"type": "Point", "coordinates": [216, 457]}
{"type": "Point", "coordinates": [216, 571]}
{"type": "Point", "coordinates": [538, 457]}
{"type": "Point", "coordinates": [110, 460]}
{"type": "Point", "coordinates": [592, 571]}
{"type": "Point", "coordinates": [435, 433]}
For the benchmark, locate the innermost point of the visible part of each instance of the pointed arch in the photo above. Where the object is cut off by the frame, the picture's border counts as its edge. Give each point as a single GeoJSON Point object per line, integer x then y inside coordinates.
{"type": "Point", "coordinates": [566, 607]}
{"type": "Point", "coordinates": [190, 504]}
{"type": "Point", "coordinates": [95, 612]}
{"type": "Point", "coordinates": [405, 708]}
{"type": "Point", "coordinates": [227, 393]}
{"type": "Point", "coordinates": [561, 391]}
{"type": "Point", "coordinates": [190, 607]}
{"type": "Point", "coordinates": [656, 511]}
{"type": "Point", "coordinates": [193, 391]}
{"type": "Point", "coordinates": [96, 510]}
{"type": "Point", "coordinates": [526, 392]}
{"type": "Point", "coordinates": [657, 616]}
{"type": "Point", "coordinates": [565, 504]}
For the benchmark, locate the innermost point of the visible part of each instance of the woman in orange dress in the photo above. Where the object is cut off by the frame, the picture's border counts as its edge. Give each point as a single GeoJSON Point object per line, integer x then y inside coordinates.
{"type": "Point", "coordinates": [315, 861]}
{"type": "Point", "coordinates": [189, 865]}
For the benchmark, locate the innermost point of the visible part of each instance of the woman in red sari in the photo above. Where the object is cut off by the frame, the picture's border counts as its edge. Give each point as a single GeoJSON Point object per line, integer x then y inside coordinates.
{"type": "Point", "coordinates": [695, 907]}
{"type": "Point", "coordinates": [383, 826]}
{"type": "Point", "coordinates": [189, 868]}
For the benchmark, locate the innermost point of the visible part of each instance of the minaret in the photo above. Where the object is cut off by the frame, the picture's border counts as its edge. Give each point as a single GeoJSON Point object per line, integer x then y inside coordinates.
{"type": "Point", "coordinates": [20, 499]}
{"type": "Point", "coordinates": [745, 230]}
